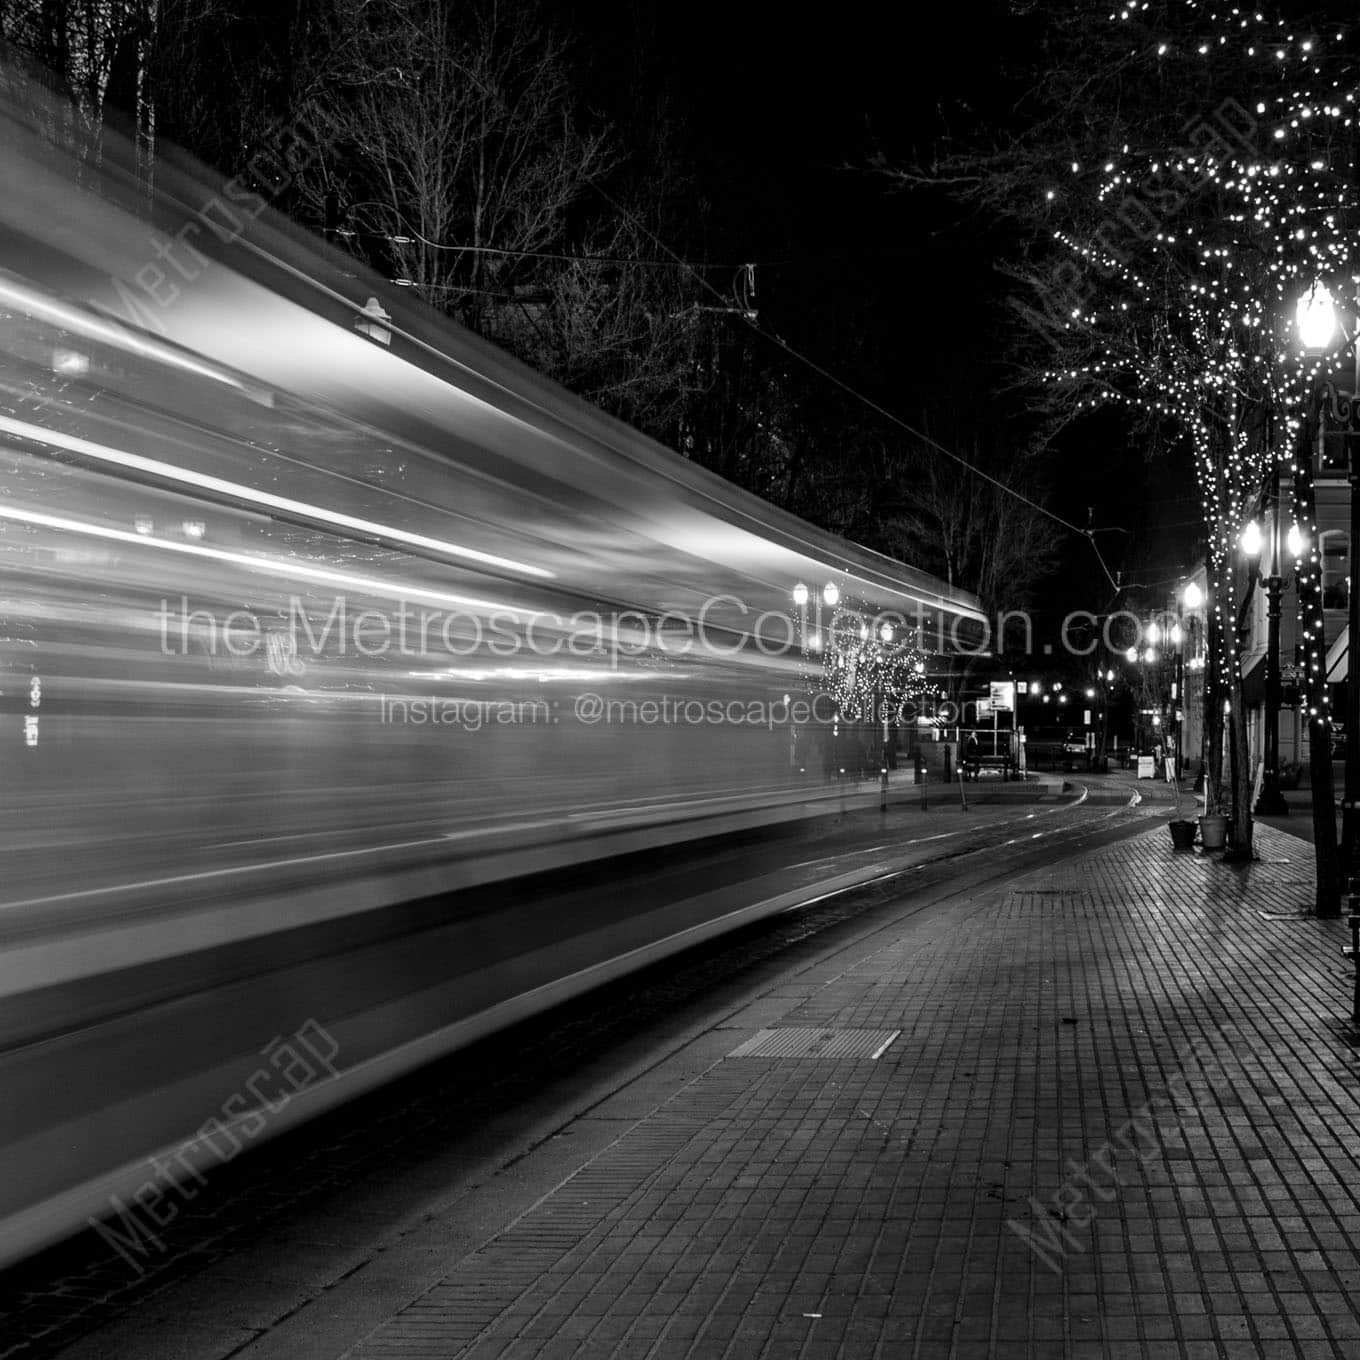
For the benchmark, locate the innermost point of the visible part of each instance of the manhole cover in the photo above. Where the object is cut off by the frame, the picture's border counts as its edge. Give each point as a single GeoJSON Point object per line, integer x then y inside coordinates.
{"type": "Point", "coordinates": [817, 1043]}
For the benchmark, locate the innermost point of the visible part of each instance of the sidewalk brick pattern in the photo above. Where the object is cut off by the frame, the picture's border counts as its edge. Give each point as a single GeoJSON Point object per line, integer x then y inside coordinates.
{"type": "Point", "coordinates": [1122, 1120]}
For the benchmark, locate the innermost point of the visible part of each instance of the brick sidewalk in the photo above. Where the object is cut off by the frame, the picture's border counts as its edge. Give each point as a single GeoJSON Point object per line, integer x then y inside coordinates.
{"type": "Point", "coordinates": [1121, 1120]}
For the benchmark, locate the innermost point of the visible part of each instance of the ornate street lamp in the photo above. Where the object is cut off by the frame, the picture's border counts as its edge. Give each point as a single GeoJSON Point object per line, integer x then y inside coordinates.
{"type": "Point", "coordinates": [1318, 325]}
{"type": "Point", "coordinates": [1191, 598]}
{"type": "Point", "coordinates": [1315, 316]}
{"type": "Point", "coordinates": [1262, 551]}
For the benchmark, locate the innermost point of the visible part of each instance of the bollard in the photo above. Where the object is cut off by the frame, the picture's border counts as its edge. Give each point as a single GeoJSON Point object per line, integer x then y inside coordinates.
{"type": "Point", "coordinates": [963, 797]}
{"type": "Point", "coordinates": [883, 790]}
{"type": "Point", "coordinates": [1353, 953]}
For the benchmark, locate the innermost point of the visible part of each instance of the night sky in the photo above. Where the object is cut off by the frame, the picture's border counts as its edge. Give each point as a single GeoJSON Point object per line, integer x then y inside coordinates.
{"type": "Point", "coordinates": [897, 292]}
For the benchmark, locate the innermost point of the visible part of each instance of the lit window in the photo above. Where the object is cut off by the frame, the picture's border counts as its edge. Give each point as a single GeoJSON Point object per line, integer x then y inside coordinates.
{"type": "Point", "coordinates": [1333, 449]}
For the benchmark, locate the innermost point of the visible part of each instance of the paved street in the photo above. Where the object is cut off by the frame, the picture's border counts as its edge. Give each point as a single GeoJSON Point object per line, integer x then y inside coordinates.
{"type": "Point", "coordinates": [1108, 1110]}
{"type": "Point", "coordinates": [1116, 1123]}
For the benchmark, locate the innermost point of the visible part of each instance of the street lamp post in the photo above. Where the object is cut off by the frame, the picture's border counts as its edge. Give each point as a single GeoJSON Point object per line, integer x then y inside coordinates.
{"type": "Point", "coordinates": [1318, 324]}
{"type": "Point", "coordinates": [1190, 598]}
{"type": "Point", "coordinates": [1178, 691]}
{"type": "Point", "coordinates": [885, 637]}
{"type": "Point", "coordinates": [1271, 801]}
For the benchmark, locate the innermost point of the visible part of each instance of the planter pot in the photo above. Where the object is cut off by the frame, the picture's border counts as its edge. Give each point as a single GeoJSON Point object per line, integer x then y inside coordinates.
{"type": "Point", "coordinates": [1213, 832]}
{"type": "Point", "coordinates": [1183, 835]}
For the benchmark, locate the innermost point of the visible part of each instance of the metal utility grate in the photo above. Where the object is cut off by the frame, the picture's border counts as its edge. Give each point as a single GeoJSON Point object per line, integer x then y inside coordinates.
{"type": "Point", "coordinates": [817, 1043]}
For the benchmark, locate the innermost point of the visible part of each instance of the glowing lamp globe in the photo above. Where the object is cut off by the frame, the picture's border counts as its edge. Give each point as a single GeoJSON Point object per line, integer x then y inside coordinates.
{"type": "Point", "coordinates": [1193, 596]}
{"type": "Point", "coordinates": [831, 594]}
{"type": "Point", "coordinates": [1295, 542]}
{"type": "Point", "coordinates": [1316, 317]}
{"type": "Point", "coordinates": [1251, 539]}
{"type": "Point", "coordinates": [800, 594]}
{"type": "Point", "coordinates": [1154, 634]}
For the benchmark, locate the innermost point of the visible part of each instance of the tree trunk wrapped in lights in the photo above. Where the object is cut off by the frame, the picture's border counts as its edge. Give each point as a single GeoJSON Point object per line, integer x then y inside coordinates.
{"type": "Point", "coordinates": [1213, 700]}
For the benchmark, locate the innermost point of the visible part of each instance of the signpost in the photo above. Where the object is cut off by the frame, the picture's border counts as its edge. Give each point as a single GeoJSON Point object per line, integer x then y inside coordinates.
{"type": "Point", "coordinates": [1002, 700]}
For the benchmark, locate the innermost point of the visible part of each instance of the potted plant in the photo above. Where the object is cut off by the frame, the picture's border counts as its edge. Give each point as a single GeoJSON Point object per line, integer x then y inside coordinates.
{"type": "Point", "coordinates": [1213, 831]}
{"type": "Point", "coordinates": [1213, 826]}
{"type": "Point", "coordinates": [1182, 830]}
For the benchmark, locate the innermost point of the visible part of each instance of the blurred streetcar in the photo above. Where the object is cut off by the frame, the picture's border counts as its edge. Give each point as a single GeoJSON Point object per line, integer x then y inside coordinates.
{"type": "Point", "coordinates": [300, 611]}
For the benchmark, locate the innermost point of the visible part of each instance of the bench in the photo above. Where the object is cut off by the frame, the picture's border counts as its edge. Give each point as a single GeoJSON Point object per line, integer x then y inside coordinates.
{"type": "Point", "coordinates": [989, 762]}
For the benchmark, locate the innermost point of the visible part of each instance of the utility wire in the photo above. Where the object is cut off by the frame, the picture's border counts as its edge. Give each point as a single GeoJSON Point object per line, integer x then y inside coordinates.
{"type": "Point", "coordinates": [1088, 534]}
{"type": "Point", "coordinates": [407, 229]}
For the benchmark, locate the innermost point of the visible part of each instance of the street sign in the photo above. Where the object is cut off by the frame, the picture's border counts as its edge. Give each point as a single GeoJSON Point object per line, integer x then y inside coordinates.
{"type": "Point", "coordinates": [1003, 696]}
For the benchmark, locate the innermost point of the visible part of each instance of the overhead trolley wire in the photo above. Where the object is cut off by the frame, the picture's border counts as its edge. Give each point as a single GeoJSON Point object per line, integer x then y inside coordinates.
{"type": "Point", "coordinates": [890, 416]}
